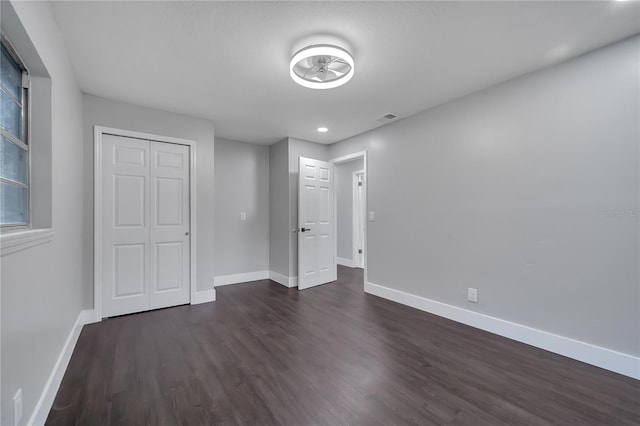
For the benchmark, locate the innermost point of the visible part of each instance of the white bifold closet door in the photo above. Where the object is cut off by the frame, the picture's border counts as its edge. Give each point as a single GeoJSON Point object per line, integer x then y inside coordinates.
{"type": "Point", "coordinates": [145, 225]}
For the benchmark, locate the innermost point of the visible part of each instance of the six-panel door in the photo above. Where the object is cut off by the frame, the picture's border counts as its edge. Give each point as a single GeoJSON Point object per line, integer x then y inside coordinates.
{"type": "Point", "coordinates": [316, 260]}
{"type": "Point", "coordinates": [169, 204]}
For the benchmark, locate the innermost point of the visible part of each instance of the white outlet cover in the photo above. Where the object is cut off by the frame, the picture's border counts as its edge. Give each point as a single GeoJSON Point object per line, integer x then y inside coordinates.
{"type": "Point", "coordinates": [472, 295]}
{"type": "Point", "coordinates": [243, 215]}
{"type": "Point", "coordinates": [372, 216]}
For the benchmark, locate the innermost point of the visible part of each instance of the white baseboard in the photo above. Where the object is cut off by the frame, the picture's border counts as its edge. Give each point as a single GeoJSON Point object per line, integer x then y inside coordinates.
{"type": "Point", "coordinates": [240, 278]}
{"type": "Point", "coordinates": [284, 280]}
{"type": "Point", "coordinates": [43, 406]}
{"type": "Point", "coordinates": [279, 278]}
{"type": "Point", "coordinates": [608, 359]}
{"type": "Point", "coordinates": [204, 296]}
{"type": "Point", "coordinates": [345, 262]}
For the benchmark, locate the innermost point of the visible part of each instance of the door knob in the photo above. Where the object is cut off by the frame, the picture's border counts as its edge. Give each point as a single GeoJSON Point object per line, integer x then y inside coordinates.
{"type": "Point", "coordinates": [305, 229]}
{"type": "Point", "coordinates": [186, 233]}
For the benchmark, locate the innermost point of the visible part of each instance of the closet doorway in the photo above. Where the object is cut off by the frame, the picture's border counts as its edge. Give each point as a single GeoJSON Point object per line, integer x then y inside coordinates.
{"type": "Point", "coordinates": [144, 247]}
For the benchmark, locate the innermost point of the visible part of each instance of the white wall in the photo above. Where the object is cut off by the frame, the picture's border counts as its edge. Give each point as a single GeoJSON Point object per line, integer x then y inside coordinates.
{"type": "Point", "coordinates": [279, 207]}
{"type": "Point", "coordinates": [42, 286]}
{"type": "Point", "coordinates": [509, 190]}
{"type": "Point", "coordinates": [241, 185]}
{"type": "Point", "coordinates": [299, 148]}
{"type": "Point", "coordinates": [104, 112]}
{"type": "Point", "coordinates": [344, 206]}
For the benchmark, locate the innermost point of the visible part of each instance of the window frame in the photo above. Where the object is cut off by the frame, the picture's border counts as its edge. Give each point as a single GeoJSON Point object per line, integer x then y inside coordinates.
{"type": "Point", "coordinates": [24, 144]}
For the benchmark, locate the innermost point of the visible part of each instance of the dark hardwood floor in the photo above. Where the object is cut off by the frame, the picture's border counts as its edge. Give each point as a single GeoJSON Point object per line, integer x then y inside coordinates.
{"type": "Point", "coordinates": [331, 355]}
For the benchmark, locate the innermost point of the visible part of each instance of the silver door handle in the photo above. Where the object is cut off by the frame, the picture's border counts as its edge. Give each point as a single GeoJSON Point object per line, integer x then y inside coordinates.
{"type": "Point", "coordinates": [305, 229]}
{"type": "Point", "coordinates": [186, 233]}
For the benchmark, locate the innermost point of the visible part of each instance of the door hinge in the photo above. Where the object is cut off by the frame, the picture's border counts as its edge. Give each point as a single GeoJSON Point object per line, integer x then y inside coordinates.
{"type": "Point", "coordinates": [25, 80]}
{"type": "Point", "coordinates": [359, 251]}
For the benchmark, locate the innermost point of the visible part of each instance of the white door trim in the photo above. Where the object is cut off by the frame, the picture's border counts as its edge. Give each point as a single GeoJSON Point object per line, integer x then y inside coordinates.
{"type": "Point", "coordinates": [355, 230]}
{"type": "Point", "coordinates": [333, 163]}
{"type": "Point", "coordinates": [98, 132]}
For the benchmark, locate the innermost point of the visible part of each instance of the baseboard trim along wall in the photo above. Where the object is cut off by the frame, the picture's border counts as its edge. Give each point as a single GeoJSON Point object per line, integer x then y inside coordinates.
{"type": "Point", "coordinates": [601, 357]}
{"type": "Point", "coordinates": [204, 296]}
{"type": "Point", "coordinates": [43, 406]}
{"type": "Point", "coordinates": [284, 280]}
{"type": "Point", "coordinates": [345, 262]}
{"type": "Point", "coordinates": [240, 278]}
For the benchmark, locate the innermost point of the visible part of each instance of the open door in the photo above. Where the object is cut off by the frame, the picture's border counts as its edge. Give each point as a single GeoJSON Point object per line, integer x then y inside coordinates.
{"type": "Point", "coordinates": [358, 218]}
{"type": "Point", "coordinates": [316, 261]}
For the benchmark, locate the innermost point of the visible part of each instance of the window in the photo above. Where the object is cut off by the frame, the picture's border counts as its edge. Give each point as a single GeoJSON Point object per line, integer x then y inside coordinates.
{"type": "Point", "coordinates": [14, 140]}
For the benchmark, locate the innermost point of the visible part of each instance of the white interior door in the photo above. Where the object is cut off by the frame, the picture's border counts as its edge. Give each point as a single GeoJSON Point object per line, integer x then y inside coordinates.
{"type": "Point", "coordinates": [358, 219]}
{"type": "Point", "coordinates": [316, 261]}
{"type": "Point", "coordinates": [125, 235]}
{"type": "Point", "coordinates": [169, 233]}
{"type": "Point", "coordinates": [145, 225]}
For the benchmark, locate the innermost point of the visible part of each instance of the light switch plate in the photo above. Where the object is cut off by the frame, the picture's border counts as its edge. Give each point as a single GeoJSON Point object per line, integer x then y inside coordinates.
{"type": "Point", "coordinates": [372, 216]}
{"type": "Point", "coordinates": [243, 215]}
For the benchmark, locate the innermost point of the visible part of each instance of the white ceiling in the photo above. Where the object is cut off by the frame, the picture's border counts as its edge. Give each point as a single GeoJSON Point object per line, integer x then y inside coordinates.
{"type": "Point", "coordinates": [228, 61]}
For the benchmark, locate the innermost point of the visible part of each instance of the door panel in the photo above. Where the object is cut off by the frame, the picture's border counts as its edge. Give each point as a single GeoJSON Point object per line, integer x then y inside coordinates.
{"type": "Point", "coordinates": [169, 266]}
{"type": "Point", "coordinates": [129, 200]}
{"type": "Point", "coordinates": [169, 176]}
{"type": "Point", "coordinates": [169, 160]}
{"type": "Point", "coordinates": [129, 155]}
{"type": "Point", "coordinates": [359, 212]}
{"type": "Point", "coordinates": [169, 212]}
{"type": "Point", "coordinates": [128, 270]}
{"type": "Point", "coordinates": [145, 225]}
{"type": "Point", "coordinates": [125, 229]}
{"type": "Point", "coordinates": [316, 261]}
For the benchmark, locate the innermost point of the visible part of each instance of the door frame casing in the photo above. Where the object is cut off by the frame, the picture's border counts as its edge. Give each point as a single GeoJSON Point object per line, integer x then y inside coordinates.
{"type": "Point", "coordinates": [333, 163]}
{"type": "Point", "coordinates": [98, 132]}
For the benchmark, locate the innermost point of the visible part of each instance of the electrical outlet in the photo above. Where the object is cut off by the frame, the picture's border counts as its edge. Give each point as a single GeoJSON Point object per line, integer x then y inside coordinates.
{"type": "Point", "coordinates": [243, 215]}
{"type": "Point", "coordinates": [17, 407]}
{"type": "Point", "coordinates": [472, 295]}
{"type": "Point", "coordinates": [372, 216]}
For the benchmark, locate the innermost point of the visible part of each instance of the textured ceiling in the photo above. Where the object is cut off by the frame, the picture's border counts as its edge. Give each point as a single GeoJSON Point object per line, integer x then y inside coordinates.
{"type": "Point", "coordinates": [228, 61]}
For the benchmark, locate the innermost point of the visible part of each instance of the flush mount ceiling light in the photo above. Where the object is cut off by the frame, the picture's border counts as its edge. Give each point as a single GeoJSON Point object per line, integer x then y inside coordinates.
{"type": "Point", "coordinates": [323, 129]}
{"type": "Point", "coordinates": [321, 66]}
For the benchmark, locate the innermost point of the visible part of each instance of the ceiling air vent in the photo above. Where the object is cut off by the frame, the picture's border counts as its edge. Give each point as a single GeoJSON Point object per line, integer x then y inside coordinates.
{"type": "Point", "coordinates": [388, 117]}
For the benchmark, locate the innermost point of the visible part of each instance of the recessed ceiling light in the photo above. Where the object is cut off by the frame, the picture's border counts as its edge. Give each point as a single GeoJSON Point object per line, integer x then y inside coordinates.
{"type": "Point", "coordinates": [321, 66]}
{"type": "Point", "coordinates": [323, 129]}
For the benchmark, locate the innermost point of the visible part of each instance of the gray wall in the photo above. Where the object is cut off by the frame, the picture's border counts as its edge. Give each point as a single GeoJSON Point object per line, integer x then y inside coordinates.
{"type": "Point", "coordinates": [299, 148]}
{"type": "Point", "coordinates": [103, 112]}
{"type": "Point", "coordinates": [241, 185]}
{"type": "Point", "coordinates": [510, 190]}
{"type": "Point", "coordinates": [42, 286]}
{"type": "Point", "coordinates": [344, 206]}
{"type": "Point", "coordinates": [279, 207]}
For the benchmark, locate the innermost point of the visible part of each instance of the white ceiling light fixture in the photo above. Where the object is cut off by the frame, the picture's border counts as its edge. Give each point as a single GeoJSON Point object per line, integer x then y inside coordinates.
{"type": "Point", "coordinates": [323, 129]}
{"type": "Point", "coordinates": [321, 66]}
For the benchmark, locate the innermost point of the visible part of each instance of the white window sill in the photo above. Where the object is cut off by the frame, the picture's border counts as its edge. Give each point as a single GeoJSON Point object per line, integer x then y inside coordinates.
{"type": "Point", "coordinates": [12, 242]}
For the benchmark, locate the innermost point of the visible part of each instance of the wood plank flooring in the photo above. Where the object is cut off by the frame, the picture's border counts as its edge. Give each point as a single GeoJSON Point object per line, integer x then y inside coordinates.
{"type": "Point", "coordinates": [331, 355]}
